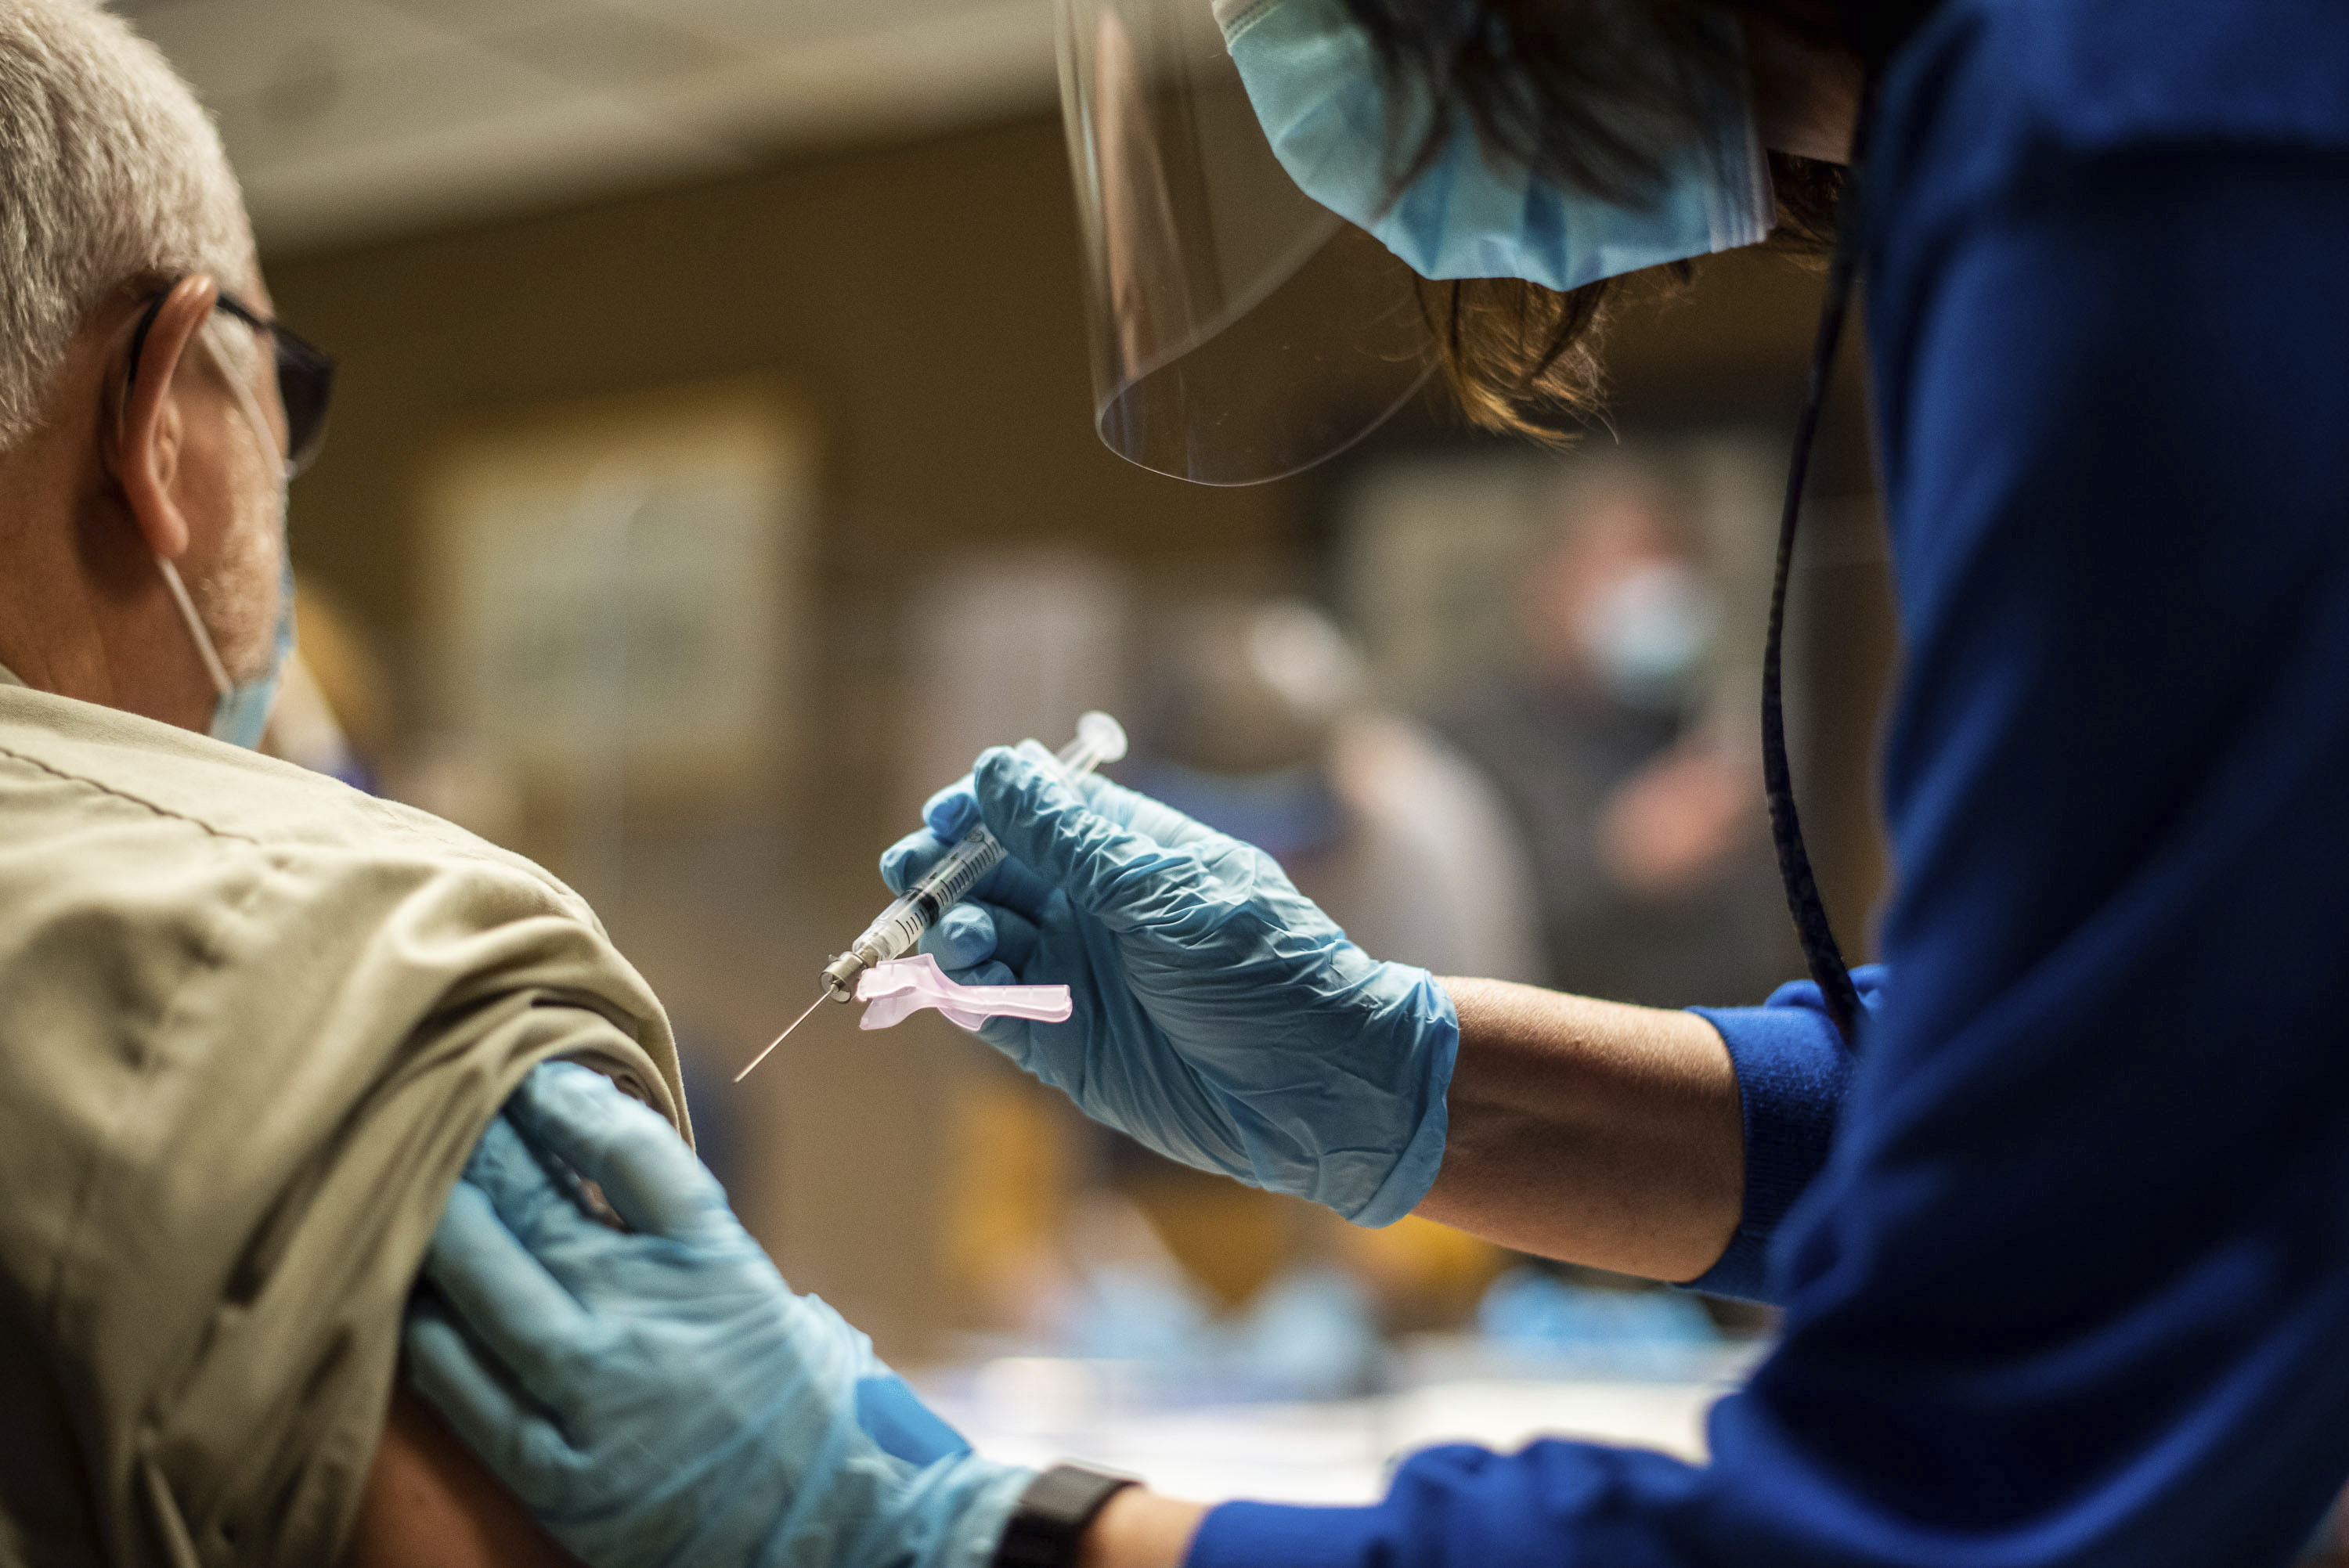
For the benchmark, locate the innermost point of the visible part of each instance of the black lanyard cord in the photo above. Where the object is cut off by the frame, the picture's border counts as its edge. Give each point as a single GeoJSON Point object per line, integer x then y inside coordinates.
{"type": "Point", "coordinates": [1820, 949]}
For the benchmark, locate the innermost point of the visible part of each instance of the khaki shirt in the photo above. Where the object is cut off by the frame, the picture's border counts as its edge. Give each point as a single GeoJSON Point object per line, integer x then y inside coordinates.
{"type": "Point", "coordinates": [251, 1024]}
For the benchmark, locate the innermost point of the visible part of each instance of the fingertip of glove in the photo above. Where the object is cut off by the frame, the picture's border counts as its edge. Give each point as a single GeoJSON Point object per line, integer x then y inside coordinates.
{"type": "Point", "coordinates": [1008, 778]}
{"type": "Point", "coordinates": [429, 1325]}
{"type": "Point", "coordinates": [575, 1098]}
{"type": "Point", "coordinates": [432, 1346]}
{"type": "Point", "coordinates": [996, 973]}
{"type": "Point", "coordinates": [498, 1154]}
{"type": "Point", "coordinates": [997, 768]}
{"type": "Point", "coordinates": [950, 814]}
{"type": "Point", "coordinates": [897, 859]}
{"type": "Point", "coordinates": [465, 1220]}
{"type": "Point", "coordinates": [553, 1078]}
{"type": "Point", "coordinates": [961, 937]}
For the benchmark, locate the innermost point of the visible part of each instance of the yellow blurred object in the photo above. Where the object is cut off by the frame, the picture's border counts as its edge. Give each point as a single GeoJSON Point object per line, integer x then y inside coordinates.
{"type": "Point", "coordinates": [1235, 1240]}
{"type": "Point", "coordinates": [1424, 1274]}
{"type": "Point", "coordinates": [1006, 1197]}
{"type": "Point", "coordinates": [1231, 1240]}
{"type": "Point", "coordinates": [348, 675]}
{"type": "Point", "coordinates": [1014, 1211]}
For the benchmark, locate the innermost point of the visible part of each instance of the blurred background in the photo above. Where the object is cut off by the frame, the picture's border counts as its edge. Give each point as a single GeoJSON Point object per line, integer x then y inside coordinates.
{"type": "Point", "coordinates": [713, 476]}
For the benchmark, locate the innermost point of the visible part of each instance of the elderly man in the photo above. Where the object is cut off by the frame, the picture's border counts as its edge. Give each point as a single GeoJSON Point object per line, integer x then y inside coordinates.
{"type": "Point", "coordinates": [251, 1021]}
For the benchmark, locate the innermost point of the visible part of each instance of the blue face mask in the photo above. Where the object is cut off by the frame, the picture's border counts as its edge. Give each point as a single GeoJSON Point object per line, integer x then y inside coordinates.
{"type": "Point", "coordinates": [241, 708]}
{"type": "Point", "coordinates": [1647, 637]}
{"type": "Point", "coordinates": [240, 714]}
{"type": "Point", "coordinates": [1315, 80]}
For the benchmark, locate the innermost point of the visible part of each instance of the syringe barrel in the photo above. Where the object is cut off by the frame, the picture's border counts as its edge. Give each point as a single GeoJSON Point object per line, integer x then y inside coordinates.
{"type": "Point", "coordinates": [957, 871]}
{"type": "Point", "coordinates": [900, 926]}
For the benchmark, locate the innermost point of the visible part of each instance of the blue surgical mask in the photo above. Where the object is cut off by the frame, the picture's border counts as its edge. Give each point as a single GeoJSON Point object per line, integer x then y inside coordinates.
{"type": "Point", "coordinates": [241, 708]}
{"type": "Point", "coordinates": [1315, 82]}
{"type": "Point", "coordinates": [1647, 635]}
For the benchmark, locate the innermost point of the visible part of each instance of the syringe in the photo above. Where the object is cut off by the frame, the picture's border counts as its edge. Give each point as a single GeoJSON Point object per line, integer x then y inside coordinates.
{"type": "Point", "coordinates": [893, 934]}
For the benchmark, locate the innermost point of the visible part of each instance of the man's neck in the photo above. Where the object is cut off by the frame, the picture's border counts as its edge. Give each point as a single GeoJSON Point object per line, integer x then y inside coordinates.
{"type": "Point", "coordinates": [106, 633]}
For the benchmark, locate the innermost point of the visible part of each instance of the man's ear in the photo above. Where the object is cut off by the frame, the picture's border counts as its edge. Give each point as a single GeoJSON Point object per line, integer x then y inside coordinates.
{"type": "Point", "coordinates": [151, 431]}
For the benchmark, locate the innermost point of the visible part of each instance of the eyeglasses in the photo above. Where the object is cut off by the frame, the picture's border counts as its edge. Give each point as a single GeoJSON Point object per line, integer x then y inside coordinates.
{"type": "Point", "coordinates": [305, 375]}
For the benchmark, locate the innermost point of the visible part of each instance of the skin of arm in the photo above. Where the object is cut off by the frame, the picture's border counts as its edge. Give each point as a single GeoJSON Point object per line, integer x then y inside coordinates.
{"type": "Point", "coordinates": [1590, 1132]}
{"type": "Point", "coordinates": [1139, 1529]}
{"type": "Point", "coordinates": [431, 1503]}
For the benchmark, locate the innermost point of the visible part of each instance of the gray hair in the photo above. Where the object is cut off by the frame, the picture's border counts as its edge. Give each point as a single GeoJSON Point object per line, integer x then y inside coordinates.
{"type": "Point", "coordinates": [109, 171]}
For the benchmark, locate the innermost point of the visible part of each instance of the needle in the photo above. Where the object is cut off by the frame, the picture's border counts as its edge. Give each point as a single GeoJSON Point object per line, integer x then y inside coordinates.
{"type": "Point", "coordinates": [778, 1039]}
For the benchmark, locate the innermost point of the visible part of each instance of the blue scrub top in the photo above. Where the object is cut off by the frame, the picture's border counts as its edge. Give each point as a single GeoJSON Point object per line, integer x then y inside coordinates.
{"type": "Point", "coordinates": [2064, 1254]}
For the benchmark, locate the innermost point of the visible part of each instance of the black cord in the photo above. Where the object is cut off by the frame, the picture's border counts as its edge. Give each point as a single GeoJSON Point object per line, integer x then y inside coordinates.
{"type": "Point", "coordinates": [1821, 952]}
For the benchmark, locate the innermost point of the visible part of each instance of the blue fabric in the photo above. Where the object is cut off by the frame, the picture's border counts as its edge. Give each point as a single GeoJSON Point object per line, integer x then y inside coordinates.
{"type": "Point", "coordinates": [2071, 1283]}
{"type": "Point", "coordinates": [1792, 1071]}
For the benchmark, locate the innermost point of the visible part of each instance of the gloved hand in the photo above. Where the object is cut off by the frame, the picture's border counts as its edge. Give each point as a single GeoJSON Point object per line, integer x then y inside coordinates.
{"type": "Point", "coordinates": [1220, 1017]}
{"type": "Point", "coordinates": [661, 1397]}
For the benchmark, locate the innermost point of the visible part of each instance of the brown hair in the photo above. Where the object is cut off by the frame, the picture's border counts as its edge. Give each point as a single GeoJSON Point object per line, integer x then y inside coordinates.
{"type": "Point", "coordinates": [1594, 94]}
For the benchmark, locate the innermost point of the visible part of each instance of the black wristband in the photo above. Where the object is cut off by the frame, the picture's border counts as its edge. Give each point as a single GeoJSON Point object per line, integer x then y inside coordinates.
{"type": "Point", "coordinates": [1048, 1526]}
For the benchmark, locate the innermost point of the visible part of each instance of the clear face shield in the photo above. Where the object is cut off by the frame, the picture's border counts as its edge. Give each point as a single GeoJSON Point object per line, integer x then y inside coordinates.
{"type": "Point", "coordinates": [1241, 331]}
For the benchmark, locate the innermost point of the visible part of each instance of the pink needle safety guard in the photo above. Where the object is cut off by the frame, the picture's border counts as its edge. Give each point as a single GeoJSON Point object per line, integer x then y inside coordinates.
{"type": "Point", "coordinates": [896, 989]}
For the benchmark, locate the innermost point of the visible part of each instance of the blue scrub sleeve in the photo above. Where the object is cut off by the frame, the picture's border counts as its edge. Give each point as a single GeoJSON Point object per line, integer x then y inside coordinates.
{"type": "Point", "coordinates": [1792, 1071]}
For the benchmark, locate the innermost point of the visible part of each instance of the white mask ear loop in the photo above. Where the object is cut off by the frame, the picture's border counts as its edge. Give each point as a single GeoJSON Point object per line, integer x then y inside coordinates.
{"type": "Point", "coordinates": [222, 684]}
{"type": "Point", "coordinates": [218, 672]}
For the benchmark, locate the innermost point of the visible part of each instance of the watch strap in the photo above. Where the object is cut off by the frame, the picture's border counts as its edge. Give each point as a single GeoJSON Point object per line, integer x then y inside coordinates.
{"type": "Point", "coordinates": [1048, 1527]}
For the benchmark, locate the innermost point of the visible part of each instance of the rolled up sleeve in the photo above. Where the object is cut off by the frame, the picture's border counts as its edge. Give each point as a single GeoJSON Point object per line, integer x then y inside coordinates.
{"type": "Point", "coordinates": [1792, 1070]}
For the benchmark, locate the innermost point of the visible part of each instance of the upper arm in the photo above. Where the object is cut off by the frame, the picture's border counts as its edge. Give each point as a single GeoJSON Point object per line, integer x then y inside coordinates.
{"type": "Point", "coordinates": [429, 1503]}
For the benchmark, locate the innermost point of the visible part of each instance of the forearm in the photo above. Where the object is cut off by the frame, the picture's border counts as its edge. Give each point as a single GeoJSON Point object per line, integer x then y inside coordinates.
{"type": "Point", "coordinates": [1139, 1529]}
{"type": "Point", "coordinates": [1590, 1132]}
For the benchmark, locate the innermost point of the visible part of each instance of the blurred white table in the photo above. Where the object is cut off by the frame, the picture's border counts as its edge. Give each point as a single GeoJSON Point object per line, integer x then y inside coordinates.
{"type": "Point", "coordinates": [1035, 1410]}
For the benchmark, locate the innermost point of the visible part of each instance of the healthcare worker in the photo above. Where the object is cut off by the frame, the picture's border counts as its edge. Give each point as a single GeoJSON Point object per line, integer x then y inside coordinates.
{"type": "Point", "coordinates": [2057, 1211]}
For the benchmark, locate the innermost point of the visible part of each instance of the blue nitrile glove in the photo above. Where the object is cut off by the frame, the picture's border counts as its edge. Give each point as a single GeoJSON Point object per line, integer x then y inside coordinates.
{"type": "Point", "coordinates": [660, 1396]}
{"type": "Point", "coordinates": [1220, 1017]}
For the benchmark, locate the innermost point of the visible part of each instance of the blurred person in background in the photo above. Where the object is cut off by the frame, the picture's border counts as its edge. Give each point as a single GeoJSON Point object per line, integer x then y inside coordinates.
{"type": "Point", "coordinates": [333, 711]}
{"type": "Point", "coordinates": [1650, 847]}
{"type": "Point", "coordinates": [1256, 719]}
{"type": "Point", "coordinates": [2053, 1199]}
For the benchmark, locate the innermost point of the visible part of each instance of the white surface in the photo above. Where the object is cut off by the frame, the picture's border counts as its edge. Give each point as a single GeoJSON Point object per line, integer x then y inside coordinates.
{"type": "Point", "coordinates": [1035, 1411]}
{"type": "Point", "coordinates": [348, 119]}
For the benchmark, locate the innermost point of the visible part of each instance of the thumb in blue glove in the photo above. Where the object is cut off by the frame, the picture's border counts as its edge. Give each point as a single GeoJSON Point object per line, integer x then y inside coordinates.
{"type": "Point", "coordinates": [1219, 1016]}
{"type": "Point", "coordinates": [660, 1396]}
